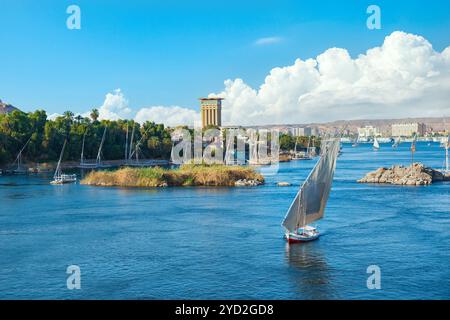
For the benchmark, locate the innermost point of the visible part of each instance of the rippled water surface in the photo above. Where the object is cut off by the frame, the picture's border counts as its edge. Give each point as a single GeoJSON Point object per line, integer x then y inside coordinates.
{"type": "Point", "coordinates": [200, 243]}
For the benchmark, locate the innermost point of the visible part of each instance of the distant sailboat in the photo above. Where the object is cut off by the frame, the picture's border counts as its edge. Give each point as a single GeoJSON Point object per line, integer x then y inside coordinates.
{"type": "Point", "coordinates": [447, 146]}
{"type": "Point", "coordinates": [442, 142]}
{"type": "Point", "coordinates": [396, 143]}
{"type": "Point", "coordinates": [302, 155]}
{"type": "Point", "coordinates": [98, 162]}
{"type": "Point", "coordinates": [309, 203]}
{"type": "Point", "coordinates": [59, 177]}
{"type": "Point", "coordinates": [82, 149]}
{"type": "Point", "coordinates": [376, 145]}
{"type": "Point", "coordinates": [20, 169]}
{"type": "Point", "coordinates": [126, 145]}
{"type": "Point", "coordinates": [413, 148]}
{"type": "Point", "coordinates": [99, 154]}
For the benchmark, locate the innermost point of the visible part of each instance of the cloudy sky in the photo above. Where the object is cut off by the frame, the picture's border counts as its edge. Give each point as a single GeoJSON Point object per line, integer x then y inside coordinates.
{"type": "Point", "coordinates": [273, 61]}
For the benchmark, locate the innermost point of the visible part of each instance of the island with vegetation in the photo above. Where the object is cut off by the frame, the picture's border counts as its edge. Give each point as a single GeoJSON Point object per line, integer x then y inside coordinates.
{"type": "Point", "coordinates": [416, 174]}
{"type": "Point", "coordinates": [185, 175]}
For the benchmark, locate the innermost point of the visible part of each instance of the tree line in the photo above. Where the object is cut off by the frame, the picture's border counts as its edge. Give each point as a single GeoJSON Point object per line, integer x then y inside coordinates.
{"type": "Point", "coordinates": [46, 137]}
{"type": "Point", "coordinates": [287, 142]}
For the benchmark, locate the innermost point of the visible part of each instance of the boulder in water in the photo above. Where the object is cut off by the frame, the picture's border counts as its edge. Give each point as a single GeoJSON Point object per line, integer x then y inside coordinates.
{"type": "Point", "coordinates": [283, 184]}
{"type": "Point", "coordinates": [415, 175]}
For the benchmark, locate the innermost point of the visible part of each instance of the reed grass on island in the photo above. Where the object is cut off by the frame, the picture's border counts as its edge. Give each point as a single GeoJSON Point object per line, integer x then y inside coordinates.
{"type": "Point", "coordinates": [185, 175]}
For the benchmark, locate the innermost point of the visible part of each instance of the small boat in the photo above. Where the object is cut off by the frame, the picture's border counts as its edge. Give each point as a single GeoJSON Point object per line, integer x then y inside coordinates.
{"type": "Point", "coordinates": [20, 170]}
{"type": "Point", "coordinates": [376, 145]}
{"type": "Point", "coordinates": [443, 142]}
{"type": "Point", "coordinates": [302, 155]}
{"type": "Point", "coordinates": [396, 143]}
{"type": "Point", "coordinates": [305, 234]}
{"type": "Point", "coordinates": [255, 158]}
{"type": "Point", "coordinates": [447, 146]}
{"type": "Point", "coordinates": [309, 203]}
{"type": "Point", "coordinates": [299, 156]}
{"type": "Point", "coordinates": [59, 177]}
{"type": "Point", "coordinates": [64, 178]}
{"type": "Point", "coordinates": [98, 164]}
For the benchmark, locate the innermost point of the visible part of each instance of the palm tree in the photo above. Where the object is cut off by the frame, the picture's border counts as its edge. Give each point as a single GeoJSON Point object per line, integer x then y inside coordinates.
{"type": "Point", "coordinates": [68, 115]}
{"type": "Point", "coordinates": [79, 118]}
{"type": "Point", "coordinates": [94, 114]}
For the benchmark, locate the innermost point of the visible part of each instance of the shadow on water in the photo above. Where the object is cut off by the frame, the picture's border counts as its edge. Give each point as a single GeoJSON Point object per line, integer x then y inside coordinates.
{"type": "Point", "coordinates": [309, 271]}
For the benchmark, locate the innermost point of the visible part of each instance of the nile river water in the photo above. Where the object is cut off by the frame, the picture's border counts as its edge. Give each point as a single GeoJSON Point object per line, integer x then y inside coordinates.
{"type": "Point", "coordinates": [226, 243]}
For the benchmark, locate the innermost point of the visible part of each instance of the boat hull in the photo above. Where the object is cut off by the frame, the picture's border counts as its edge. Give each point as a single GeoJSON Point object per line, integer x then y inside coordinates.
{"type": "Point", "coordinates": [309, 235]}
{"type": "Point", "coordinates": [55, 182]}
{"type": "Point", "coordinates": [62, 182]}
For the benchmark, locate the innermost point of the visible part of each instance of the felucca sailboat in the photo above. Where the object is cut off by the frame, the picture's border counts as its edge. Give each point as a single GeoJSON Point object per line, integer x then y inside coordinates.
{"type": "Point", "coordinates": [59, 177]}
{"type": "Point", "coordinates": [376, 145]}
{"type": "Point", "coordinates": [309, 203]}
{"type": "Point", "coordinates": [300, 155]}
{"type": "Point", "coordinates": [20, 169]}
{"type": "Point", "coordinates": [447, 146]}
{"type": "Point", "coordinates": [98, 161]}
{"type": "Point", "coordinates": [396, 143]}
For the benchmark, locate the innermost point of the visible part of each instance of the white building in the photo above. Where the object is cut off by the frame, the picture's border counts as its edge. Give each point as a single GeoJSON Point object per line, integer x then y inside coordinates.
{"type": "Point", "coordinates": [301, 132]}
{"type": "Point", "coordinates": [408, 129]}
{"type": "Point", "coordinates": [368, 132]}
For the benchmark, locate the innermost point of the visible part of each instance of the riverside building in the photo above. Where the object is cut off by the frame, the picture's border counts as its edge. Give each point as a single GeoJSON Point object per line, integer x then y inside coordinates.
{"type": "Point", "coordinates": [211, 111]}
{"type": "Point", "coordinates": [408, 129]}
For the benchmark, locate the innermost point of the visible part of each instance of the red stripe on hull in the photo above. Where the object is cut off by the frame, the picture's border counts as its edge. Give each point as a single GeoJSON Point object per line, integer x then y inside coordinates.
{"type": "Point", "coordinates": [293, 240]}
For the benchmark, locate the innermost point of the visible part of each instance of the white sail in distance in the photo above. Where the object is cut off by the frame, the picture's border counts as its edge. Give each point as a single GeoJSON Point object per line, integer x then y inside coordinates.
{"type": "Point", "coordinates": [58, 167]}
{"type": "Point", "coordinates": [309, 203]}
{"type": "Point", "coordinates": [376, 145]}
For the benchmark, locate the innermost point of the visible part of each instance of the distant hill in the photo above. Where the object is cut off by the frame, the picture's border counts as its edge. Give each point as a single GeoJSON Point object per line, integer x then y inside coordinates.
{"type": "Point", "coordinates": [384, 125]}
{"type": "Point", "coordinates": [6, 108]}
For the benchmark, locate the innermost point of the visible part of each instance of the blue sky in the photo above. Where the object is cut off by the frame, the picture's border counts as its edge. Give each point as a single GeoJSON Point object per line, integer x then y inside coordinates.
{"type": "Point", "coordinates": [172, 52]}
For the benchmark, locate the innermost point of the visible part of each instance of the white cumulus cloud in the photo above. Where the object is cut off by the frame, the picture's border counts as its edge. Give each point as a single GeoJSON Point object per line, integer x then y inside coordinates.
{"type": "Point", "coordinates": [404, 77]}
{"type": "Point", "coordinates": [114, 107]}
{"type": "Point", "coordinates": [170, 116]}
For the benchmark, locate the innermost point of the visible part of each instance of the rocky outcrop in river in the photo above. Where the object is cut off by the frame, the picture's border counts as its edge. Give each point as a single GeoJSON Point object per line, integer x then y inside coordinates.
{"type": "Point", "coordinates": [415, 175]}
{"type": "Point", "coordinates": [247, 183]}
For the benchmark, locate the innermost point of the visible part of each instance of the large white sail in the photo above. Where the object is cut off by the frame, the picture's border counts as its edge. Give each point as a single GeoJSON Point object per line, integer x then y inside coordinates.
{"type": "Point", "coordinates": [309, 203]}
{"type": "Point", "coordinates": [376, 145]}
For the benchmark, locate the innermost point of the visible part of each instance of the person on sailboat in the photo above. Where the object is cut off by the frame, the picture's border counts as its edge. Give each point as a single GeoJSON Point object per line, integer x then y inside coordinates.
{"type": "Point", "coordinates": [309, 203]}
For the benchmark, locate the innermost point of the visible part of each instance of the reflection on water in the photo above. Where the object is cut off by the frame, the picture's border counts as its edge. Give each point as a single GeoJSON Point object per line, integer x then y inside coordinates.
{"type": "Point", "coordinates": [310, 271]}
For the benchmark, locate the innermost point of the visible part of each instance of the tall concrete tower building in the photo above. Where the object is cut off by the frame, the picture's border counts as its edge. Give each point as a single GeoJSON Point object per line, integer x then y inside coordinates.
{"type": "Point", "coordinates": [211, 110]}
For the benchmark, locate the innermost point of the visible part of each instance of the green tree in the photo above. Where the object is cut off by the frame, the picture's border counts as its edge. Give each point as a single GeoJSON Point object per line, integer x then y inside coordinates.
{"type": "Point", "coordinates": [94, 115]}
